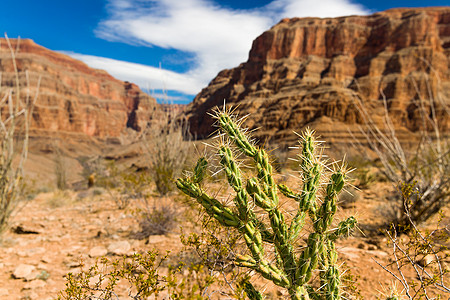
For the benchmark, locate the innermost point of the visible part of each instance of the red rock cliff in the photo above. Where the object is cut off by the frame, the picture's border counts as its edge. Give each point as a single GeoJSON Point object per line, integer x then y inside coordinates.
{"type": "Point", "coordinates": [74, 98]}
{"type": "Point", "coordinates": [310, 71]}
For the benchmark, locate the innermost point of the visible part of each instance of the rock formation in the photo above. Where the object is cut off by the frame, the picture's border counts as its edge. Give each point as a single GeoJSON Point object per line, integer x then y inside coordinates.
{"type": "Point", "coordinates": [74, 98]}
{"type": "Point", "coordinates": [313, 72]}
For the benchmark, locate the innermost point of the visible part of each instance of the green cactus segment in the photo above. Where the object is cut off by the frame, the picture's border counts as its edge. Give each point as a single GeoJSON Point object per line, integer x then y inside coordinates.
{"type": "Point", "coordinates": [213, 207]}
{"type": "Point", "coordinates": [344, 228]}
{"type": "Point", "coordinates": [328, 208]}
{"type": "Point", "coordinates": [267, 270]}
{"type": "Point", "coordinates": [333, 282]}
{"type": "Point", "coordinates": [235, 134]}
{"type": "Point", "coordinates": [234, 179]}
{"type": "Point", "coordinates": [285, 269]}
{"type": "Point", "coordinates": [250, 291]}
{"type": "Point", "coordinates": [288, 193]}
{"type": "Point", "coordinates": [281, 241]}
{"type": "Point", "coordinates": [231, 169]}
{"type": "Point", "coordinates": [309, 258]}
{"type": "Point", "coordinates": [199, 170]}
{"type": "Point", "coordinates": [297, 224]}
{"type": "Point", "coordinates": [299, 293]}
{"type": "Point", "coordinates": [312, 170]}
{"type": "Point", "coordinates": [256, 192]}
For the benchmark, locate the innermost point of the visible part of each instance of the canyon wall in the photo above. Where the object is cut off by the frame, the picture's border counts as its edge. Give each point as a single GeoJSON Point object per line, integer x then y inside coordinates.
{"type": "Point", "coordinates": [315, 72]}
{"type": "Point", "coordinates": [72, 97]}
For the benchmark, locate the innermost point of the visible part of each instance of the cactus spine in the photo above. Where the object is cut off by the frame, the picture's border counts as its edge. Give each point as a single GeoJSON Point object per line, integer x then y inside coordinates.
{"type": "Point", "coordinates": [291, 270]}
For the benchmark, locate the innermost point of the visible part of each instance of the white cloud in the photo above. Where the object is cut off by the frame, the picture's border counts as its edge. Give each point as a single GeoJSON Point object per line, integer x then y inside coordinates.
{"type": "Point", "coordinates": [145, 76]}
{"type": "Point", "coordinates": [314, 8]}
{"type": "Point", "coordinates": [217, 37]}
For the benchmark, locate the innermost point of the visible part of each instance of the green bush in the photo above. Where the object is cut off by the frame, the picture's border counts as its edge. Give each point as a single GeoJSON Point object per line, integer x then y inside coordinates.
{"type": "Point", "coordinates": [144, 275]}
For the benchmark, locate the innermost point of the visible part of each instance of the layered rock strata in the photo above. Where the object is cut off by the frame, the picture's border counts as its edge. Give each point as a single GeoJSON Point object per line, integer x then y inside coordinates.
{"type": "Point", "coordinates": [314, 72]}
{"type": "Point", "coordinates": [74, 98]}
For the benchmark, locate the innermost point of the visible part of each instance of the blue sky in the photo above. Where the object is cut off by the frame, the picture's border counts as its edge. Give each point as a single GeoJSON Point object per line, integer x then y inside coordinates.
{"type": "Point", "coordinates": [171, 47]}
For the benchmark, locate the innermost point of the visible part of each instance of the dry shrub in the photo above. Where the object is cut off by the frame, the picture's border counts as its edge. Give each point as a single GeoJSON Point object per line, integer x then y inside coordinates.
{"type": "Point", "coordinates": [16, 107]}
{"type": "Point", "coordinates": [423, 251]}
{"type": "Point", "coordinates": [157, 220]}
{"type": "Point", "coordinates": [167, 151]}
{"type": "Point", "coordinates": [60, 168]}
{"type": "Point", "coordinates": [427, 163]}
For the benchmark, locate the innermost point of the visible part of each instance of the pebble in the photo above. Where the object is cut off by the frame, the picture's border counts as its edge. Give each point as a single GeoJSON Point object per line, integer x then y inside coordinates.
{"type": "Point", "coordinates": [156, 239]}
{"type": "Point", "coordinates": [119, 248]}
{"type": "Point", "coordinates": [426, 260]}
{"type": "Point", "coordinates": [46, 259]}
{"type": "Point", "coordinates": [34, 284]}
{"type": "Point", "coordinates": [98, 251]}
{"type": "Point", "coordinates": [362, 246]}
{"type": "Point", "coordinates": [23, 271]}
{"type": "Point", "coordinates": [350, 253]}
{"type": "Point", "coordinates": [372, 247]}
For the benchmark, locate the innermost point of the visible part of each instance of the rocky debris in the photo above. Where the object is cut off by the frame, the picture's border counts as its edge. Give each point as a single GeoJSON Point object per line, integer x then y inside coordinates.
{"type": "Point", "coordinates": [351, 253]}
{"type": "Point", "coordinates": [98, 251]}
{"type": "Point", "coordinates": [119, 248]}
{"type": "Point", "coordinates": [34, 285]}
{"type": "Point", "coordinates": [427, 260]}
{"type": "Point", "coordinates": [157, 239]}
{"type": "Point", "coordinates": [63, 255]}
{"type": "Point", "coordinates": [312, 72]}
{"type": "Point", "coordinates": [24, 271]}
{"type": "Point", "coordinates": [20, 229]}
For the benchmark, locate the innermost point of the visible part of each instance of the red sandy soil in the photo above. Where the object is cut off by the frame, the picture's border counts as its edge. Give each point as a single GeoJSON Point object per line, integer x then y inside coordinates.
{"type": "Point", "coordinates": [71, 226]}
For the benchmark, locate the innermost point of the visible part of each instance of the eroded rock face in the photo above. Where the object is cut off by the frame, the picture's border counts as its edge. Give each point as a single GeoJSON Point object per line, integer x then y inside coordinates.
{"type": "Point", "coordinates": [311, 71]}
{"type": "Point", "coordinates": [73, 97]}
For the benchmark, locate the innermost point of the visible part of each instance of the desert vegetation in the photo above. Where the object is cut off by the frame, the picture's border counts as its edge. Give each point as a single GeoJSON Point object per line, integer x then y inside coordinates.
{"type": "Point", "coordinates": [256, 226]}
{"type": "Point", "coordinates": [139, 210]}
{"type": "Point", "coordinates": [243, 232]}
{"type": "Point", "coordinates": [16, 108]}
{"type": "Point", "coordinates": [424, 164]}
{"type": "Point", "coordinates": [290, 270]}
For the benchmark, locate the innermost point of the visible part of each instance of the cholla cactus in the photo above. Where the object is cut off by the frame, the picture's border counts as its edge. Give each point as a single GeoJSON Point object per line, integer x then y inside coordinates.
{"type": "Point", "coordinates": [292, 268]}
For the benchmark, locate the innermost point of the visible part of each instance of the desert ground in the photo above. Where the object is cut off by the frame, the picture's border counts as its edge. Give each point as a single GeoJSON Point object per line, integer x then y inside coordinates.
{"type": "Point", "coordinates": [59, 232]}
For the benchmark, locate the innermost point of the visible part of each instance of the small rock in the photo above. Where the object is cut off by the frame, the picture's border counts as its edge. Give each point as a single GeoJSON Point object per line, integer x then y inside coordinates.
{"type": "Point", "coordinates": [124, 228]}
{"type": "Point", "coordinates": [426, 260]}
{"type": "Point", "coordinates": [101, 233]}
{"type": "Point", "coordinates": [362, 246]}
{"type": "Point", "coordinates": [46, 259]}
{"type": "Point", "coordinates": [73, 264]}
{"type": "Point", "coordinates": [372, 247]}
{"type": "Point", "coordinates": [21, 229]}
{"type": "Point", "coordinates": [23, 270]}
{"type": "Point", "coordinates": [32, 276]}
{"type": "Point", "coordinates": [156, 239]}
{"type": "Point", "coordinates": [4, 292]}
{"type": "Point", "coordinates": [34, 285]}
{"type": "Point", "coordinates": [119, 248]}
{"type": "Point", "coordinates": [30, 252]}
{"type": "Point", "coordinates": [350, 253]}
{"type": "Point", "coordinates": [379, 254]}
{"type": "Point", "coordinates": [98, 251]}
